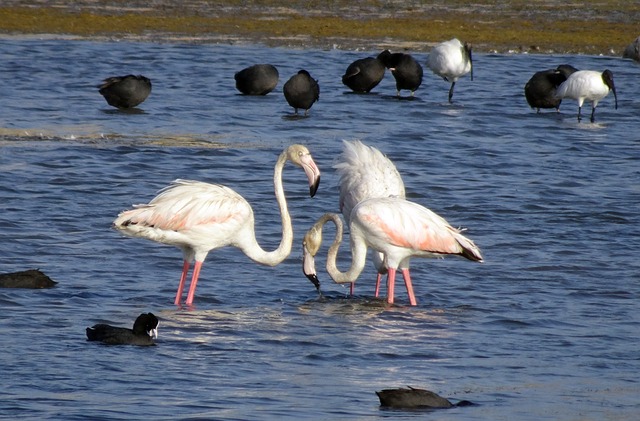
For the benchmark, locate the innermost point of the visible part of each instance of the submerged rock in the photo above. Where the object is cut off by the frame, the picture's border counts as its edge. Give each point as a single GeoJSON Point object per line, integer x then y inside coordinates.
{"type": "Point", "coordinates": [32, 278]}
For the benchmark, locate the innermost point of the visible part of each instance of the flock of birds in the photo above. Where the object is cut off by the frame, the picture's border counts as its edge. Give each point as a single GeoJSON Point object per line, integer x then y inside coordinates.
{"type": "Point", "coordinates": [450, 60]}
{"type": "Point", "coordinates": [198, 217]}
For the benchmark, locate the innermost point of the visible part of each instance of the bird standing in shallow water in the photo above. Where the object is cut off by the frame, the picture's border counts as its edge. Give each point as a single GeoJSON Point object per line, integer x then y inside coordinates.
{"type": "Point", "coordinates": [301, 91]}
{"type": "Point", "coordinates": [366, 173]}
{"type": "Point", "coordinates": [541, 90]}
{"type": "Point", "coordinates": [364, 74]}
{"type": "Point", "coordinates": [588, 85]}
{"type": "Point", "coordinates": [125, 91]}
{"type": "Point", "coordinates": [199, 217]}
{"type": "Point", "coordinates": [259, 79]}
{"type": "Point", "coordinates": [404, 68]}
{"type": "Point", "coordinates": [451, 60]}
{"type": "Point", "coordinates": [145, 330]}
{"type": "Point", "coordinates": [396, 227]}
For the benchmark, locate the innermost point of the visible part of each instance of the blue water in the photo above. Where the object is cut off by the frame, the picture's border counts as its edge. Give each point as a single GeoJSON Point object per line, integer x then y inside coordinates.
{"type": "Point", "coordinates": [547, 328]}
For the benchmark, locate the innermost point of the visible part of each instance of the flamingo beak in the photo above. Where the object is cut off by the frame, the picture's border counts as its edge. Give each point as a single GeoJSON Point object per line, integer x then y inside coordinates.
{"type": "Point", "coordinates": [313, 173]}
{"type": "Point", "coordinates": [309, 267]}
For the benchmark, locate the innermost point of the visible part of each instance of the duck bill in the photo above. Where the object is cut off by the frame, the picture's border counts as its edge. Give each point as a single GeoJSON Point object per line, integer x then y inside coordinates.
{"type": "Point", "coordinates": [309, 268]}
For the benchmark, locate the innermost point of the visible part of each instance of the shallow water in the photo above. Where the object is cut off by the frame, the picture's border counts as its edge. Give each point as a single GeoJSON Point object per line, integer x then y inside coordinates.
{"type": "Point", "coordinates": [546, 328]}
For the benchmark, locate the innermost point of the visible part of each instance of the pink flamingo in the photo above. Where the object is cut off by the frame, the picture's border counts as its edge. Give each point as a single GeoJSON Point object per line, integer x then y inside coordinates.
{"type": "Point", "coordinates": [198, 217]}
{"type": "Point", "coordinates": [396, 227]}
{"type": "Point", "coordinates": [366, 173]}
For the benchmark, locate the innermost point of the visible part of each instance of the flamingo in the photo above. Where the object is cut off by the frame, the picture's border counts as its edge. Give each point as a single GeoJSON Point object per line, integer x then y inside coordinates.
{"type": "Point", "coordinates": [404, 68]}
{"type": "Point", "coordinates": [198, 217]}
{"type": "Point", "coordinates": [588, 85]}
{"type": "Point", "coordinates": [396, 227]}
{"type": "Point", "coordinates": [259, 79]}
{"type": "Point", "coordinates": [366, 173]}
{"type": "Point", "coordinates": [540, 90]}
{"type": "Point", "coordinates": [125, 91]}
{"type": "Point", "coordinates": [451, 60]}
{"type": "Point", "coordinates": [364, 74]}
{"type": "Point", "coordinates": [301, 91]}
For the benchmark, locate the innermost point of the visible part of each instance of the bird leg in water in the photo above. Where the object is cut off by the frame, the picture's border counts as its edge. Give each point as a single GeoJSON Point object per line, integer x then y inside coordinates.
{"type": "Point", "coordinates": [194, 282]}
{"type": "Point", "coordinates": [407, 282]}
{"type": "Point", "coordinates": [183, 278]}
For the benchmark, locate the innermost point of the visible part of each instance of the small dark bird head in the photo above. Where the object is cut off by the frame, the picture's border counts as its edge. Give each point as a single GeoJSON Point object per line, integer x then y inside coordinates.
{"type": "Point", "coordinates": [607, 78]}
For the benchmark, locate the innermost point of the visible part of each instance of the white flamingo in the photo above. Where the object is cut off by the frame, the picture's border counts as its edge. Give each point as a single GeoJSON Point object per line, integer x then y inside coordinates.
{"type": "Point", "coordinates": [451, 60]}
{"type": "Point", "coordinates": [198, 217]}
{"type": "Point", "coordinates": [366, 173]}
{"type": "Point", "coordinates": [588, 85]}
{"type": "Point", "coordinates": [396, 227]}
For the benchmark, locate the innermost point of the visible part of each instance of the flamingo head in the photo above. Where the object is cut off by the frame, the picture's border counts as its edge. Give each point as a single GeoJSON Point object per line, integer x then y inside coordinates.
{"type": "Point", "coordinates": [310, 246]}
{"type": "Point", "coordinates": [300, 156]}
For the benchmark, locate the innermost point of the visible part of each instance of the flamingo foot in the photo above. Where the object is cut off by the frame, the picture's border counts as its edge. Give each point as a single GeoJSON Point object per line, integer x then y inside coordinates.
{"type": "Point", "coordinates": [183, 277]}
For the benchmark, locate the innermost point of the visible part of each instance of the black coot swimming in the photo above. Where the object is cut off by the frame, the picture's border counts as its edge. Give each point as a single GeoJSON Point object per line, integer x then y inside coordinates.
{"type": "Point", "coordinates": [415, 398]}
{"type": "Point", "coordinates": [144, 330]}
{"type": "Point", "coordinates": [364, 74]}
{"type": "Point", "coordinates": [125, 91]}
{"type": "Point", "coordinates": [301, 91]}
{"type": "Point", "coordinates": [32, 278]}
{"type": "Point", "coordinates": [259, 79]}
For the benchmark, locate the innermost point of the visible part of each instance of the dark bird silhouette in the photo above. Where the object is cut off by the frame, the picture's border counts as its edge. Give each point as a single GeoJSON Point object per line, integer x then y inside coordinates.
{"type": "Point", "coordinates": [125, 91]}
{"type": "Point", "coordinates": [633, 50]}
{"type": "Point", "coordinates": [364, 74]}
{"type": "Point", "coordinates": [31, 278]}
{"type": "Point", "coordinates": [259, 79]}
{"type": "Point", "coordinates": [301, 91]}
{"type": "Point", "coordinates": [404, 68]}
{"type": "Point", "coordinates": [540, 90]}
{"type": "Point", "coordinates": [145, 329]}
{"type": "Point", "coordinates": [415, 398]}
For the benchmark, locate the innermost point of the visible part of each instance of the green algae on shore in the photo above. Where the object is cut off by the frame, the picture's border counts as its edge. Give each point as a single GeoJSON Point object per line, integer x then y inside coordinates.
{"type": "Point", "coordinates": [536, 26]}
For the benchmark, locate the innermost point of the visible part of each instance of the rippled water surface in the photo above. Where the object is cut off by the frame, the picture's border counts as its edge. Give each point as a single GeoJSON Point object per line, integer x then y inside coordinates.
{"type": "Point", "coordinates": [546, 328]}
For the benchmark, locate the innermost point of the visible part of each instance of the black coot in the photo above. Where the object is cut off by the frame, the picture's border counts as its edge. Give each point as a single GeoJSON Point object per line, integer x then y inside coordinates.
{"type": "Point", "coordinates": [144, 330]}
{"type": "Point", "coordinates": [259, 79]}
{"type": "Point", "coordinates": [364, 74]}
{"type": "Point", "coordinates": [301, 91]}
{"type": "Point", "coordinates": [125, 91]}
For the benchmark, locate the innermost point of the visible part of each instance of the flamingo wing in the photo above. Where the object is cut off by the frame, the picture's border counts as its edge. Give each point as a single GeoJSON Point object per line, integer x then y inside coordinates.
{"type": "Point", "coordinates": [393, 223]}
{"type": "Point", "coordinates": [189, 213]}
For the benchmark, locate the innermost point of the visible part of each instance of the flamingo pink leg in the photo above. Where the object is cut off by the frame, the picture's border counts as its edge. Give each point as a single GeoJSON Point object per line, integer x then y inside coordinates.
{"type": "Point", "coordinates": [391, 283]}
{"type": "Point", "coordinates": [194, 282]}
{"type": "Point", "coordinates": [378, 280]}
{"type": "Point", "coordinates": [352, 288]}
{"type": "Point", "coordinates": [409, 285]}
{"type": "Point", "coordinates": [185, 269]}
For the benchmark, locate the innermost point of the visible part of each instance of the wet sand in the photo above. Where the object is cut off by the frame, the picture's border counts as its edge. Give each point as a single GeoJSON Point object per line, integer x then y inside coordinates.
{"type": "Point", "coordinates": [543, 26]}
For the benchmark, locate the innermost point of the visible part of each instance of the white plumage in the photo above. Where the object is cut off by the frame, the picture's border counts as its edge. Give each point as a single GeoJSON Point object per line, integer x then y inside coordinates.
{"type": "Point", "coordinates": [451, 60]}
{"type": "Point", "coordinates": [588, 85]}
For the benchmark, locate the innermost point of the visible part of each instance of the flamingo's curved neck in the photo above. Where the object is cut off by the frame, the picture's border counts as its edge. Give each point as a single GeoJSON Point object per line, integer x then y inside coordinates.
{"type": "Point", "coordinates": [358, 252]}
{"type": "Point", "coordinates": [272, 258]}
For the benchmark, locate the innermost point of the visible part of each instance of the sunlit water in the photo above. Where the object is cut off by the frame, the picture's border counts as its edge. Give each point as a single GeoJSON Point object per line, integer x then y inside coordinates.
{"type": "Point", "coordinates": [546, 328]}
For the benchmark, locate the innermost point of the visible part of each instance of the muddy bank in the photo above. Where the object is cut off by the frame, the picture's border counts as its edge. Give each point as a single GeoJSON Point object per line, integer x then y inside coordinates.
{"type": "Point", "coordinates": [588, 27]}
